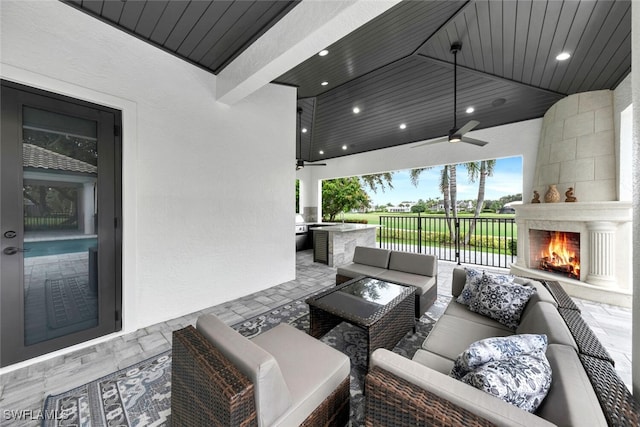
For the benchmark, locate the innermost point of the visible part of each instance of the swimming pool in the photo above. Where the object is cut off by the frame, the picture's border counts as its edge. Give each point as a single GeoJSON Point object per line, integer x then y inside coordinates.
{"type": "Point", "coordinates": [58, 247]}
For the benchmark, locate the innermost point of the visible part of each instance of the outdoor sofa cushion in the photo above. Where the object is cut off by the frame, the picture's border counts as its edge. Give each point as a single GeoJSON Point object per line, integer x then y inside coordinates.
{"type": "Point", "coordinates": [476, 401]}
{"type": "Point", "coordinates": [311, 369]}
{"type": "Point", "coordinates": [571, 400]}
{"type": "Point", "coordinates": [543, 318]}
{"type": "Point", "coordinates": [272, 394]}
{"type": "Point", "coordinates": [374, 257]}
{"type": "Point", "coordinates": [422, 264]}
{"type": "Point", "coordinates": [292, 372]}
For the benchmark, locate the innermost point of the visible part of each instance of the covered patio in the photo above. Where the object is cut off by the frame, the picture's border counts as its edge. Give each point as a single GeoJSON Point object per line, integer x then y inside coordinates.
{"type": "Point", "coordinates": [208, 155]}
{"type": "Point", "coordinates": [27, 387]}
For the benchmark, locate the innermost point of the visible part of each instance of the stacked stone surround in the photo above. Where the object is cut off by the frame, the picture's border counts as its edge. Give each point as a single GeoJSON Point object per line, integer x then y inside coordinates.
{"type": "Point", "coordinates": [577, 148]}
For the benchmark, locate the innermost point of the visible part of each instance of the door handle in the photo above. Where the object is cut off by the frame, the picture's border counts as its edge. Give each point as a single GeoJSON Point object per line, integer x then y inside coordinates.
{"type": "Point", "coordinates": [12, 250]}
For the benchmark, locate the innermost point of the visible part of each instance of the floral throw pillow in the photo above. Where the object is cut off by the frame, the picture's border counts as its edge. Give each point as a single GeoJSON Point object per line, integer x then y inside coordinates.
{"type": "Point", "coordinates": [522, 380]}
{"type": "Point", "coordinates": [475, 279]}
{"type": "Point", "coordinates": [502, 302]}
{"type": "Point", "coordinates": [494, 349]}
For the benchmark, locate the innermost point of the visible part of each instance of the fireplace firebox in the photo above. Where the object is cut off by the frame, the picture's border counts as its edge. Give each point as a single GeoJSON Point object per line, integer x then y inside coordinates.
{"type": "Point", "coordinates": [555, 251]}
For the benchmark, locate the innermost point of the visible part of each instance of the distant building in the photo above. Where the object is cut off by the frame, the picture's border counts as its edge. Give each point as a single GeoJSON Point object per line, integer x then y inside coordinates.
{"type": "Point", "coordinates": [403, 207]}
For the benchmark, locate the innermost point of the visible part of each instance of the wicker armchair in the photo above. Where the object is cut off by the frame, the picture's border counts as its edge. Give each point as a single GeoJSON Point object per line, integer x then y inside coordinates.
{"type": "Point", "coordinates": [212, 383]}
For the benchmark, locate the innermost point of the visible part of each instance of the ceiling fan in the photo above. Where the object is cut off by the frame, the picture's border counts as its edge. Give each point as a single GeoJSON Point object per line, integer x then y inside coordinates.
{"type": "Point", "coordinates": [455, 134]}
{"type": "Point", "coordinates": [299, 162]}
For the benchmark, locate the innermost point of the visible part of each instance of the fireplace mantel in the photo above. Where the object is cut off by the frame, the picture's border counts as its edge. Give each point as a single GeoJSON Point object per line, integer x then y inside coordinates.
{"type": "Point", "coordinates": [575, 211]}
{"type": "Point", "coordinates": [605, 254]}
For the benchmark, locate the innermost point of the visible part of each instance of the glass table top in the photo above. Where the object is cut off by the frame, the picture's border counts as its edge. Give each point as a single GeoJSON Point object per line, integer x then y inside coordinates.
{"type": "Point", "coordinates": [361, 300]}
{"type": "Point", "coordinates": [374, 290]}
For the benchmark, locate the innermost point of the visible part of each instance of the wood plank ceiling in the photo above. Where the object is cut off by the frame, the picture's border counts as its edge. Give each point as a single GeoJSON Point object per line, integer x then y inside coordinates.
{"type": "Point", "coordinates": [397, 69]}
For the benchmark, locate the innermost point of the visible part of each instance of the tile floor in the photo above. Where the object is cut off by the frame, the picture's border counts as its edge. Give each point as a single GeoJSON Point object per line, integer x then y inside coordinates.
{"type": "Point", "coordinates": [26, 388]}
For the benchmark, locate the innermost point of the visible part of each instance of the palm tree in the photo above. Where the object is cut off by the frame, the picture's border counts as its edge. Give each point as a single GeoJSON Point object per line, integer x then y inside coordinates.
{"type": "Point", "coordinates": [483, 170]}
{"type": "Point", "coordinates": [447, 188]}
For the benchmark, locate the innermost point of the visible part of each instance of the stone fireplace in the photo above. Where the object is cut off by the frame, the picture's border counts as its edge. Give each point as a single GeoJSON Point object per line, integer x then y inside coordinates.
{"type": "Point", "coordinates": [597, 248]}
{"type": "Point", "coordinates": [585, 244]}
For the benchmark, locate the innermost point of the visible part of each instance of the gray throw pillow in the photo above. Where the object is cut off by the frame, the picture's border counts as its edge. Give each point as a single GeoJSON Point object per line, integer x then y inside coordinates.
{"type": "Point", "coordinates": [475, 279]}
{"type": "Point", "coordinates": [522, 380]}
{"type": "Point", "coordinates": [502, 302]}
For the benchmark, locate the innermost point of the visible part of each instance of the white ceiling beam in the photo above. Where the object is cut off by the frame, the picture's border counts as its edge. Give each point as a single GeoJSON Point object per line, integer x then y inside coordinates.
{"type": "Point", "coordinates": [308, 28]}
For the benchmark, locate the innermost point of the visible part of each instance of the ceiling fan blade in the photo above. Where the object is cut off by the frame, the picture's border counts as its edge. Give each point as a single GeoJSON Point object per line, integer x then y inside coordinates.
{"type": "Point", "coordinates": [467, 127]}
{"type": "Point", "coordinates": [474, 141]}
{"type": "Point", "coordinates": [315, 164]}
{"type": "Point", "coordinates": [433, 141]}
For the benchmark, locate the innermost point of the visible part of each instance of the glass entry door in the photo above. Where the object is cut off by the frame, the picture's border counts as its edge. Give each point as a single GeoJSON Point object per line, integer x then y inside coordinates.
{"type": "Point", "coordinates": [59, 173]}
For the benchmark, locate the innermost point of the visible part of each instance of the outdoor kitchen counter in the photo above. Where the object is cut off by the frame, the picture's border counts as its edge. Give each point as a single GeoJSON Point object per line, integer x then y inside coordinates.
{"type": "Point", "coordinates": [334, 244]}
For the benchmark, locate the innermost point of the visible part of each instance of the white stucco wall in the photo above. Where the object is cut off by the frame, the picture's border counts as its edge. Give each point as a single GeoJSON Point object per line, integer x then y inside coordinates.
{"type": "Point", "coordinates": [516, 139]}
{"type": "Point", "coordinates": [200, 226]}
{"type": "Point", "coordinates": [635, 88]}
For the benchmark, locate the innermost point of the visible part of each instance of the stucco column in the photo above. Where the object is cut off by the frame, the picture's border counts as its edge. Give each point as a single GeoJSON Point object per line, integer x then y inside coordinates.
{"type": "Point", "coordinates": [635, 88]}
{"type": "Point", "coordinates": [602, 235]}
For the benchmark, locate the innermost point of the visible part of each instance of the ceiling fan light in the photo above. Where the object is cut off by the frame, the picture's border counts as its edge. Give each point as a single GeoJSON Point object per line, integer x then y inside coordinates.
{"type": "Point", "coordinates": [470, 110]}
{"type": "Point", "coordinates": [455, 138]}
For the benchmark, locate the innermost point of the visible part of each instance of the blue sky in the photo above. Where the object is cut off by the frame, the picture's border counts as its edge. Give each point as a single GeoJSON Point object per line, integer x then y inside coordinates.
{"type": "Point", "coordinates": [506, 179]}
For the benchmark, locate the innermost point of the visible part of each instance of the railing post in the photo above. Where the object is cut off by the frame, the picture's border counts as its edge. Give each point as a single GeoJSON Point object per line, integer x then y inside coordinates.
{"type": "Point", "coordinates": [457, 239]}
{"type": "Point", "coordinates": [419, 234]}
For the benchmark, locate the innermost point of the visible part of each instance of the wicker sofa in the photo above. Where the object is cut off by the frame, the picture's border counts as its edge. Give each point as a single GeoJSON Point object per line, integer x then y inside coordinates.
{"type": "Point", "coordinates": [282, 377]}
{"type": "Point", "coordinates": [585, 388]}
{"type": "Point", "coordinates": [419, 270]}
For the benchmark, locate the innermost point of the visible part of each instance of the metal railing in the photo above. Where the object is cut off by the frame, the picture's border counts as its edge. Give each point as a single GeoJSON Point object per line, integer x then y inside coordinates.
{"type": "Point", "coordinates": [52, 221]}
{"type": "Point", "coordinates": [483, 241]}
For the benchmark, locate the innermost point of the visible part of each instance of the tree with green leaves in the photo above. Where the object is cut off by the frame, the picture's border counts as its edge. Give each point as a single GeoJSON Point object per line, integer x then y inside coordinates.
{"type": "Point", "coordinates": [382, 180]}
{"type": "Point", "coordinates": [342, 195]}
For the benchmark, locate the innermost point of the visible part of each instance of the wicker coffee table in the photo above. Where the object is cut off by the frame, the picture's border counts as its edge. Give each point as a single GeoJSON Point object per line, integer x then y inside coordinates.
{"type": "Point", "coordinates": [385, 310]}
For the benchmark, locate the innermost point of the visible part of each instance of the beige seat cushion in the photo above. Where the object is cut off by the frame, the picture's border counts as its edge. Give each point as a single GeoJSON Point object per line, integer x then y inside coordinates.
{"type": "Point", "coordinates": [460, 310]}
{"type": "Point", "coordinates": [311, 369]}
{"type": "Point", "coordinates": [571, 400]}
{"type": "Point", "coordinates": [433, 361]}
{"type": "Point", "coordinates": [273, 397]}
{"type": "Point", "coordinates": [355, 270]}
{"type": "Point", "coordinates": [543, 318]}
{"type": "Point", "coordinates": [423, 283]}
{"type": "Point", "coordinates": [452, 335]}
{"type": "Point", "coordinates": [476, 401]}
{"type": "Point", "coordinates": [375, 257]}
{"type": "Point", "coordinates": [423, 264]}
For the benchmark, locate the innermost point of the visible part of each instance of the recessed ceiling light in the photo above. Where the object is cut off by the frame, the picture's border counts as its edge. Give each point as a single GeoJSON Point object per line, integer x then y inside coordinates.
{"type": "Point", "coordinates": [563, 56]}
{"type": "Point", "coordinates": [470, 110]}
{"type": "Point", "coordinates": [323, 52]}
{"type": "Point", "coordinates": [304, 130]}
{"type": "Point", "coordinates": [403, 126]}
{"type": "Point", "coordinates": [356, 110]}
{"type": "Point", "coordinates": [324, 83]}
{"type": "Point", "coordinates": [321, 152]}
{"type": "Point", "coordinates": [344, 147]}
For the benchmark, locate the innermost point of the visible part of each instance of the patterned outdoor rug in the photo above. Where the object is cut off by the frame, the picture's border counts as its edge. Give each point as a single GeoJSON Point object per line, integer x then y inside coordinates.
{"type": "Point", "coordinates": [141, 394]}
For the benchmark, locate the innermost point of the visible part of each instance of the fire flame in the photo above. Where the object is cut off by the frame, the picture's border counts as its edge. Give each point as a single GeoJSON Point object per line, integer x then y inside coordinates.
{"type": "Point", "coordinates": [561, 254]}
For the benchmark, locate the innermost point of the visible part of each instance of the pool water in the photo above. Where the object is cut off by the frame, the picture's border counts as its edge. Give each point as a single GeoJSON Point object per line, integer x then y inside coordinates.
{"type": "Point", "coordinates": [58, 247]}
